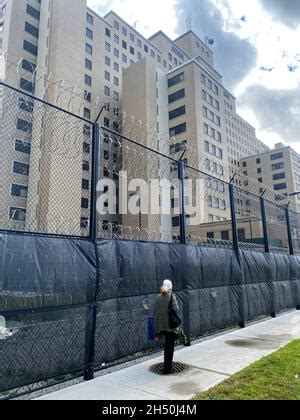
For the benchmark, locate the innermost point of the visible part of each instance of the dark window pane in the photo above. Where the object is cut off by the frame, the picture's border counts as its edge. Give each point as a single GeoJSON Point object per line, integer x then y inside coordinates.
{"type": "Point", "coordinates": [176, 96]}
{"type": "Point", "coordinates": [22, 147]}
{"type": "Point", "coordinates": [33, 12]}
{"type": "Point", "coordinates": [19, 191]}
{"type": "Point", "coordinates": [21, 168]}
{"type": "Point", "coordinates": [16, 213]}
{"type": "Point", "coordinates": [176, 79]}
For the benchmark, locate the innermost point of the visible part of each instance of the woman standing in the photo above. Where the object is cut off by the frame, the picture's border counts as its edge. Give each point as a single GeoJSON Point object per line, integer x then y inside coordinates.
{"type": "Point", "coordinates": [162, 327]}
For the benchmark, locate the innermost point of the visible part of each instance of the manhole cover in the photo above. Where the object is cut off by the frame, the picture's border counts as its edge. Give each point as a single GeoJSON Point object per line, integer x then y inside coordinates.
{"type": "Point", "coordinates": [177, 368]}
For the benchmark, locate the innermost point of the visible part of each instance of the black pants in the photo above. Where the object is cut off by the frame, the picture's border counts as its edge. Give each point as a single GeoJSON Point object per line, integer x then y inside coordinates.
{"type": "Point", "coordinates": [169, 350]}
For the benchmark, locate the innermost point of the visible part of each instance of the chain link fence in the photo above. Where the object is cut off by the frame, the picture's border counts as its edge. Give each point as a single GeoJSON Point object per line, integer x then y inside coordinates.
{"type": "Point", "coordinates": [93, 217]}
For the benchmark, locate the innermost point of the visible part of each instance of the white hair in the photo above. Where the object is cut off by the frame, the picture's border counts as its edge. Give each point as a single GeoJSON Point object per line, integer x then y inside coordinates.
{"type": "Point", "coordinates": [166, 287]}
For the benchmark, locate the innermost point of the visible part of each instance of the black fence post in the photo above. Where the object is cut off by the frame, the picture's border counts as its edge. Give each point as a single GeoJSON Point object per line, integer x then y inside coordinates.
{"type": "Point", "coordinates": [182, 218]}
{"type": "Point", "coordinates": [236, 248]}
{"type": "Point", "coordinates": [92, 297]}
{"type": "Point", "coordinates": [265, 224]}
{"type": "Point", "coordinates": [267, 246]}
{"type": "Point", "coordinates": [289, 231]}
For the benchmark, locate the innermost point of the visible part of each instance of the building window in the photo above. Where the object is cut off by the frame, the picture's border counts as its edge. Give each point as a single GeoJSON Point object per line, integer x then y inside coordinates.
{"type": "Point", "coordinates": [116, 25]}
{"type": "Point", "coordinates": [132, 51]}
{"type": "Point", "coordinates": [84, 222]}
{"type": "Point", "coordinates": [20, 168]}
{"type": "Point", "coordinates": [107, 76]}
{"type": "Point", "coordinates": [176, 79]}
{"type": "Point", "coordinates": [88, 64]}
{"type": "Point", "coordinates": [22, 147]}
{"type": "Point", "coordinates": [116, 53]}
{"type": "Point", "coordinates": [124, 31]}
{"type": "Point", "coordinates": [176, 221]}
{"type": "Point", "coordinates": [210, 235]}
{"type": "Point", "coordinates": [89, 19]}
{"type": "Point", "coordinates": [86, 148]}
{"type": "Point", "coordinates": [276, 177]}
{"type": "Point", "coordinates": [116, 67]}
{"type": "Point", "coordinates": [124, 58]}
{"type": "Point", "coordinates": [24, 125]}
{"type": "Point", "coordinates": [86, 166]}
{"type": "Point", "coordinates": [89, 49]}
{"type": "Point", "coordinates": [32, 30]}
{"type": "Point", "coordinates": [181, 128]}
{"type": "Point", "coordinates": [18, 214]}
{"type": "Point", "coordinates": [124, 45]}
{"type": "Point", "coordinates": [241, 235]}
{"type": "Point", "coordinates": [87, 113]}
{"type": "Point", "coordinates": [26, 85]}
{"type": "Point", "coordinates": [259, 170]}
{"type": "Point", "coordinates": [20, 191]}
{"type": "Point", "coordinates": [277, 156]}
{"type": "Point", "coordinates": [106, 90]}
{"type": "Point", "coordinates": [84, 203]}
{"type": "Point", "coordinates": [88, 80]}
{"type": "Point", "coordinates": [107, 32]}
{"type": "Point", "coordinates": [116, 96]}
{"type": "Point", "coordinates": [278, 166]}
{"type": "Point", "coordinates": [85, 184]}
{"type": "Point", "coordinates": [139, 56]}
{"type": "Point", "coordinates": [28, 66]}
{"type": "Point", "coordinates": [177, 112]}
{"type": "Point", "coordinates": [107, 46]}
{"type": "Point", "coordinates": [33, 12]}
{"type": "Point", "coordinates": [89, 33]}
{"type": "Point", "coordinates": [139, 43]}
{"type": "Point", "coordinates": [29, 47]}
{"type": "Point", "coordinates": [279, 187]}
{"type": "Point", "coordinates": [116, 39]}
{"type": "Point", "coordinates": [176, 96]}
{"type": "Point", "coordinates": [26, 106]}
{"type": "Point", "coordinates": [116, 81]}
{"type": "Point", "coordinates": [258, 161]}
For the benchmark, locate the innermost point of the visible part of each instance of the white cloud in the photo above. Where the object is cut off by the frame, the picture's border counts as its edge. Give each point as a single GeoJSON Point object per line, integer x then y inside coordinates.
{"type": "Point", "coordinates": [275, 42]}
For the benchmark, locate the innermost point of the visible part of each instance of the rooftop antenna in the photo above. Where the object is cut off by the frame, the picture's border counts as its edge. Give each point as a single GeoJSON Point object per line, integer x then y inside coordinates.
{"type": "Point", "coordinates": [189, 24]}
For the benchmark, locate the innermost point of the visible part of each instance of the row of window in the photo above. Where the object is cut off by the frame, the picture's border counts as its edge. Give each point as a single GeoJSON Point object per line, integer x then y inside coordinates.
{"type": "Point", "coordinates": [213, 150]}
{"type": "Point", "coordinates": [216, 203]}
{"type": "Point", "coordinates": [211, 116]}
{"type": "Point", "coordinates": [208, 83]}
{"type": "Point", "coordinates": [211, 132]}
{"type": "Point", "coordinates": [210, 100]}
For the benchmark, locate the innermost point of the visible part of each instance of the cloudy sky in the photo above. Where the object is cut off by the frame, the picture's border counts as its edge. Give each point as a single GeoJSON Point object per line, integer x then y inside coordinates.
{"type": "Point", "coordinates": [257, 50]}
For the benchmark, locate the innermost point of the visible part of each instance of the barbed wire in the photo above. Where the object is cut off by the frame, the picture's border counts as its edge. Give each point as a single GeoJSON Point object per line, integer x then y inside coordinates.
{"type": "Point", "coordinates": [72, 99]}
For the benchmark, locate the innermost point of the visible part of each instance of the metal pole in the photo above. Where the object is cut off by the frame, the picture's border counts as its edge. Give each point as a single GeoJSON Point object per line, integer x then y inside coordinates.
{"type": "Point", "coordinates": [95, 179]}
{"type": "Point", "coordinates": [237, 252]}
{"type": "Point", "coordinates": [92, 294]}
{"type": "Point", "coordinates": [234, 222]}
{"type": "Point", "coordinates": [289, 230]}
{"type": "Point", "coordinates": [265, 225]}
{"type": "Point", "coordinates": [182, 216]}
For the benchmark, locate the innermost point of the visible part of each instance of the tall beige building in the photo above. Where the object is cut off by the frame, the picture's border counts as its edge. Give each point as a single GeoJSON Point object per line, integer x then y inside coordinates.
{"type": "Point", "coordinates": [279, 169]}
{"type": "Point", "coordinates": [69, 55]}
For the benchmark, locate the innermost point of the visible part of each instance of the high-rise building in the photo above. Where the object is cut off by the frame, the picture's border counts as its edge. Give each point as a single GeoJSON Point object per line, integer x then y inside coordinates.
{"type": "Point", "coordinates": [65, 53]}
{"type": "Point", "coordinates": [279, 169]}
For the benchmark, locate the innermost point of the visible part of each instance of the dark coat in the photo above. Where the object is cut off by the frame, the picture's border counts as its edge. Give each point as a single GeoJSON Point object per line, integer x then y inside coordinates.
{"type": "Point", "coordinates": [161, 313]}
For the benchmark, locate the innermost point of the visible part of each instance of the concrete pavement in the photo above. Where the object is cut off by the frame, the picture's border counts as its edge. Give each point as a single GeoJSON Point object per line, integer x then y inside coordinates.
{"type": "Point", "coordinates": [211, 362]}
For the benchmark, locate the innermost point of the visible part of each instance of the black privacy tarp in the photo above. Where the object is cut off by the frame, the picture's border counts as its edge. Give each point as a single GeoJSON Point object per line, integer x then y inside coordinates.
{"type": "Point", "coordinates": [49, 287]}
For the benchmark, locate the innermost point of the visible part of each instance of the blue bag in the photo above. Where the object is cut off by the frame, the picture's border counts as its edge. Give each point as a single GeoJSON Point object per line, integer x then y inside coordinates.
{"type": "Point", "coordinates": [151, 328]}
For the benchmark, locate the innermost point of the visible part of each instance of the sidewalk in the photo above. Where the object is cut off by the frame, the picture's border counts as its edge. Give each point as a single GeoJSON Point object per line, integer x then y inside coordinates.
{"type": "Point", "coordinates": [211, 362]}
